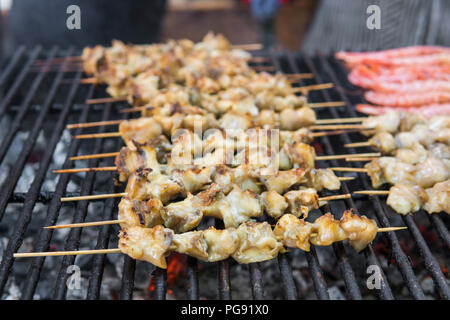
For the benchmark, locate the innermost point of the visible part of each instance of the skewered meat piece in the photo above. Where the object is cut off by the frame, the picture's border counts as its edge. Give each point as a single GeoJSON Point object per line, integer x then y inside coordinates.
{"type": "Point", "coordinates": [413, 155]}
{"type": "Point", "coordinates": [407, 147]}
{"type": "Point", "coordinates": [183, 215]}
{"type": "Point", "coordinates": [273, 203]}
{"type": "Point", "coordinates": [140, 130]}
{"type": "Point", "coordinates": [294, 232]}
{"type": "Point", "coordinates": [238, 206]}
{"type": "Point", "coordinates": [360, 230]}
{"type": "Point", "coordinates": [191, 243]}
{"type": "Point", "coordinates": [430, 172]}
{"type": "Point", "coordinates": [233, 206]}
{"type": "Point", "coordinates": [383, 142]}
{"type": "Point", "coordinates": [327, 230]}
{"type": "Point", "coordinates": [387, 122]}
{"type": "Point", "coordinates": [280, 181]}
{"type": "Point", "coordinates": [146, 183]}
{"type": "Point", "coordinates": [221, 243]}
{"type": "Point", "coordinates": [257, 243]}
{"type": "Point", "coordinates": [301, 202]}
{"type": "Point", "coordinates": [251, 242]}
{"type": "Point", "coordinates": [320, 179]}
{"type": "Point", "coordinates": [407, 199]}
{"type": "Point", "coordinates": [140, 213]}
{"type": "Point", "coordinates": [148, 244]}
{"type": "Point", "coordinates": [438, 198]}
{"type": "Point", "coordinates": [130, 160]}
{"type": "Point", "coordinates": [389, 170]}
{"type": "Point", "coordinates": [186, 144]}
{"type": "Point", "coordinates": [299, 155]}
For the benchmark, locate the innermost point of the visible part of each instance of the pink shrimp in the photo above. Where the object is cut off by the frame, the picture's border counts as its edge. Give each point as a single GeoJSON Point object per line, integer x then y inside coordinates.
{"type": "Point", "coordinates": [431, 59]}
{"type": "Point", "coordinates": [428, 111]}
{"type": "Point", "coordinates": [354, 58]}
{"type": "Point", "coordinates": [412, 86]}
{"type": "Point", "coordinates": [410, 99]}
{"type": "Point", "coordinates": [400, 74]}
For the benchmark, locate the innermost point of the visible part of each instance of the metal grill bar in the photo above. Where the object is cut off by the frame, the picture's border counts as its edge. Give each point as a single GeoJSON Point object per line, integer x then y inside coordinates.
{"type": "Point", "coordinates": [400, 257]}
{"type": "Point", "coordinates": [256, 283]}
{"type": "Point", "coordinates": [72, 241]}
{"type": "Point", "coordinates": [14, 175]}
{"type": "Point", "coordinates": [11, 66]}
{"type": "Point", "coordinates": [18, 81]}
{"type": "Point", "coordinates": [223, 278]}
{"type": "Point", "coordinates": [129, 267]}
{"type": "Point", "coordinates": [98, 263]}
{"type": "Point", "coordinates": [192, 292]}
{"type": "Point", "coordinates": [431, 263]}
{"type": "Point", "coordinates": [441, 229]}
{"type": "Point", "coordinates": [43, 240]}
{"type": "Point", "coordinates": [30, 199]}
{"type": "Point", "coordinates": [160, 276]}
{"type": "Point", "coordinates": [346, 270]}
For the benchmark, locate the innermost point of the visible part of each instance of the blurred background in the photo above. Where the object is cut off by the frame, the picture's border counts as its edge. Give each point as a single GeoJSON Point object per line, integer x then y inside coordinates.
{"type": "Point", "coordinates": [309, 25]}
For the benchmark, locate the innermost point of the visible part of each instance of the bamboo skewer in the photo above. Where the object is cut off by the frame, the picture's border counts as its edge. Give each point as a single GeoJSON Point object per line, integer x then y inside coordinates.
{"type": "Point", "coordinates": [360, 159]}
{"type": "Point", "coordinates": [326, 104]}
{"type": "Point", "coordinates": [338, 127]}
{"type": "Point", "coordinates": [358, 144]}
{"type": "Point", "coordinates": [340, 120]}
{"type": "Point", "coordinates": [344, 156]}
{"type": "Point", "coordinates": [248, 46]}
{"type": "Point", "coordinates": [96, 156]}
{"type": "Point", "coordinates": [373, 192]}
{"type": "Point", "coordinates": [98, 135]}
{"type": "Point", "coordinates": [346, 178]}
{"type": "Point", "coordinates": [93, 124]}
{"type": "Point", "coordinates": [106, 100]}
{"type": "Point", "coordinates": [298, 76]}
{"type": "Point", "coordinates": [106, 222]}
{"type": "Point", "coordinates": [65, 253]}
{"type": "Point", "coordinates": [117, 250]}
{"type": "Point", "coordinates": [118, 134]}
{"type": "Point", "coordinates": [85, 224]}
{"type": "Point", "coordinates": [346, 169]}
{"type": "Point", "coordinates": [76, 170]}
{"type": "Point", "coordinates": [94, 197]}
{"type": "Point", "coordinates": [320, 86]}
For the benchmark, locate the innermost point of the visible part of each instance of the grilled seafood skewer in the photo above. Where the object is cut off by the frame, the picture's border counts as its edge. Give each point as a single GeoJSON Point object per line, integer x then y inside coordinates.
{"type": "Point", "coordinates": [233, 207]}
{"type": "Point", "coordinates": [250, 242]}
{"type": "Point", "coordinates": [409, 198]}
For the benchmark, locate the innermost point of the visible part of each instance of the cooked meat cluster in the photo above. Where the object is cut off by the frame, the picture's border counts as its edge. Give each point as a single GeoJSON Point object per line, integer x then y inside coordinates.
{"type": "Point", "coordinates": [207, 74]}
{"type": "Point", "coordinates": [232, 195]}
{"type": "Point", "coordinates": [418, 161]}
{"type": "Point", "coordinates": [250, 242]}
{"type": "Point", "coordinates": [257, 148]}
{"type": "Point", "coordinates": [229, 171]}
{"type": "Point", "coordinates": [407, 199]}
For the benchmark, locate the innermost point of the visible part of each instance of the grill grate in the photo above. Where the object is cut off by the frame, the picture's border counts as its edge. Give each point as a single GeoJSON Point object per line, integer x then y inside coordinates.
{"type": "Point", "coordinates": [63, 100]}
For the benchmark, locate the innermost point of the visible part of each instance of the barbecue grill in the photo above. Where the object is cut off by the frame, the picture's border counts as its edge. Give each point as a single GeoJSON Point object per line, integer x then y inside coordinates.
{"type": "Point", "coordinates": [40, 98]}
